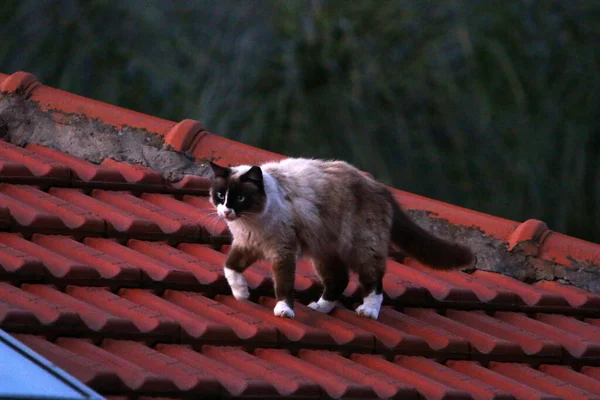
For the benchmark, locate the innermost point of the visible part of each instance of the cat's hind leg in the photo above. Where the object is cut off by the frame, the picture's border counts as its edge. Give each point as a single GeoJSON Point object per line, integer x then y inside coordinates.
{"type": "Point", "coordinates": [334, 277]}
{"type": "Point", "coordinates": [238, 259]}
{"type": "Point", "coordinates": [370, 276]}
{"type": "Point", "coordinates": [284, 270]}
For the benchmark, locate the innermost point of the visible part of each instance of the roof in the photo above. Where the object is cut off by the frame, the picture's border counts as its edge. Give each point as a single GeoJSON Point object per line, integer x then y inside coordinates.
{"type": "Point", "coordinates": [114, 274]}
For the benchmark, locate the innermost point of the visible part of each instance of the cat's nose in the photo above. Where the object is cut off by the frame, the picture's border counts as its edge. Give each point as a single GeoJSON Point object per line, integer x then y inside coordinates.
{"type": "Point", "coordinates": [227, 212]}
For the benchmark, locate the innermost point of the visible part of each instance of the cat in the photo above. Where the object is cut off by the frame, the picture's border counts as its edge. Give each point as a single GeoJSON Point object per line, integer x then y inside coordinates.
{"type": "Point", "coordinates": [328, 211]}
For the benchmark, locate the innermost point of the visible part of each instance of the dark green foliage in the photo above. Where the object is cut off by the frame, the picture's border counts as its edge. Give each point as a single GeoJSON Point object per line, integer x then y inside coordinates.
{"type": "Point", "coordinates": [492, 105]}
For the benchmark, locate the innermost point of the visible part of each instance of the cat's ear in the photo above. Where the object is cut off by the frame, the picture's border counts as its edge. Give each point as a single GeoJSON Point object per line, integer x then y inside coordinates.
{"type": "Point", "coordinates": [220, 172]}
{"type": "Point", "coordinates": [254, 174]}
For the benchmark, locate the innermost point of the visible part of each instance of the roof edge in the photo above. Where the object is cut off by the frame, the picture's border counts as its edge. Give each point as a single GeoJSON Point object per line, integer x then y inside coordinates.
{"type": "Point", "coordinates": [190, 136]}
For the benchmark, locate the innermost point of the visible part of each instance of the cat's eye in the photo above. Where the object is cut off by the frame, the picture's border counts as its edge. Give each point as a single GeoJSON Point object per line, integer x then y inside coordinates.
{"type": "Point", "coordinates": [241, 199]}
{"type": "Point", "coordinates": [220, 195]}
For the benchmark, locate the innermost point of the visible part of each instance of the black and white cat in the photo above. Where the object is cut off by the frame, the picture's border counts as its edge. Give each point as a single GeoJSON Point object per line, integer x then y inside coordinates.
{"type": "Point", "coordinates": [328, 211]}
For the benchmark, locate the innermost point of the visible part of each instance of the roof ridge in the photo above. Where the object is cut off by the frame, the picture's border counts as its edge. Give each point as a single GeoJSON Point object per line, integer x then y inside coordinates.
{"type": "Point", "coordinates": [531, 237]}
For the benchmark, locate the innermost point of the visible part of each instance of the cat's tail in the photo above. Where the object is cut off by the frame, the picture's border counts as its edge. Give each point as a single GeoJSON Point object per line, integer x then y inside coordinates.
{"type": "Point", "coordinates": [425, 247]}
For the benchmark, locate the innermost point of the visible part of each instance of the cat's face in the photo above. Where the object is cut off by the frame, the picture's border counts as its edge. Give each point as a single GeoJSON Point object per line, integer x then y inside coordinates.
{"type": "Point", "coordinates": [237, 195]}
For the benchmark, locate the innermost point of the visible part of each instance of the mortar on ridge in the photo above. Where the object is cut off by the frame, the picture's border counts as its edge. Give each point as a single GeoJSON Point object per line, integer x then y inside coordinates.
{"type": "Point", "coordinates": [492, 255]}
{"type": "Point", "coordinates": [22, 122]}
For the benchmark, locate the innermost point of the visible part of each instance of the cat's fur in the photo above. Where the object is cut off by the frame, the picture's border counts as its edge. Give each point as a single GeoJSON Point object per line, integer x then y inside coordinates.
{"type": "Point", "coordinates": [328, 211]}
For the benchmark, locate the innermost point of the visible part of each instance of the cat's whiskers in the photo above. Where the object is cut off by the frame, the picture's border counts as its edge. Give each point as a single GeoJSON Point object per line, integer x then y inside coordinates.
{"type": "Point", "coordinates": [214, 219]}
{"type": "Point", "coordinates": [208, 210]}
{"type": "Point", "coordinates": [245, 219]}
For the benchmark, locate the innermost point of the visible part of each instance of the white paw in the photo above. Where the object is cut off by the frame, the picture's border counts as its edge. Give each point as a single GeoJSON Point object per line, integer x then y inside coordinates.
{"type": "Point", "coordinates": [241, 293]}
{"type": "Point", "coordinates": [370, 306]}
{"type": "Point", "coordinates": [237, 283]}
{"type": "Point", "coordinates": [324, 306]}
{"type": "Point", "coordinates": [367, 311]}
{"type": "Point", "coordinates": [283, 310]}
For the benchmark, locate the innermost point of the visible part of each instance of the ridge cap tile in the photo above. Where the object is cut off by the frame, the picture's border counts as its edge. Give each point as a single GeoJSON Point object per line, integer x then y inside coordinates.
{"type": "Point", "coordinates": [19, 81]}
{"type": "Point", "coordinates": [569, 251]}
{"type": "Point", "coordinates": [182, 134]}
{"type": "Point", "coordinates": [59, 103]}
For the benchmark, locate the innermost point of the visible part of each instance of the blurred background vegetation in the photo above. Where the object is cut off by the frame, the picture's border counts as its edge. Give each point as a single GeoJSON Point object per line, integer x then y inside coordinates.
{"type": "Point", "coordinates": [492, 105]}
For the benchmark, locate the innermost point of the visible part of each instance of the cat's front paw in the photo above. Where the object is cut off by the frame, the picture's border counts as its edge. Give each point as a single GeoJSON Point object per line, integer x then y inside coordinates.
{"type": "Point", "coordinates": [237, 283]}
{"type": "Point", "coordinates": [368, 311]}
{"type": "Point", "coordinates": [324, 306]}
{"type": "Point", "coordinates": [371, 306]}
{"type": "Point", "coordinates": [283, 310]}
{"type": "Point", "coordinates": [240, 293]}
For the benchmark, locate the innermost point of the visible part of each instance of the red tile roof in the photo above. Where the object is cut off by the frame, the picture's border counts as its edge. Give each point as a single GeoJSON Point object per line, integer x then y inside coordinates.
{"type": "Point", "coordinates": [114, 274]}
